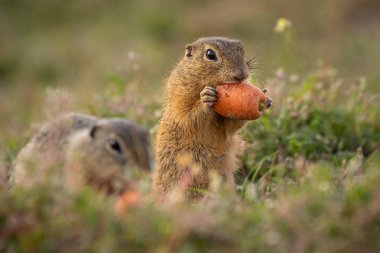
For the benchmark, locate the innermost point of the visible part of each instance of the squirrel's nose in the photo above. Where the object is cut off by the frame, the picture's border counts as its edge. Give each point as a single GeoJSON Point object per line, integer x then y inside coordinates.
{"type": "Point", "coordinates": [240, 75]}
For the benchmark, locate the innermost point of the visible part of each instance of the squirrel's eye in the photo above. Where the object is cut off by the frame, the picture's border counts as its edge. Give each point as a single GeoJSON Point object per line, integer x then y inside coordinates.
{"type": "Point", "coordinates": [211, 55]}
{"type": "Point", "coordinates": [115, 145]}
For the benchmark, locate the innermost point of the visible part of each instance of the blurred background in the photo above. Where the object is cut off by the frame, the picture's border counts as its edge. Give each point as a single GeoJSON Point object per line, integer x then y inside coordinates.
{"type": "Point", "coordinates": [85, 48]}
{"type": "Point", "coordinates": [309, 173]}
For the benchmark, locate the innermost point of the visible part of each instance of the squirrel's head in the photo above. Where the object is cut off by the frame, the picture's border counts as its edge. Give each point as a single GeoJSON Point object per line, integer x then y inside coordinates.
{"type": "Point", "coordinates": [215, 59]}
{"type": "Point", "coordinates": [122, 142]}
{"type": "Point", "coordinates": [104, 150]}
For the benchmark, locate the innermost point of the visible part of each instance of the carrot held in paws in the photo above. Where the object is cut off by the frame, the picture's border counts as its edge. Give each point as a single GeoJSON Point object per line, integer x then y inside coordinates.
{"type": "Point", "coordinates": [241, 101]}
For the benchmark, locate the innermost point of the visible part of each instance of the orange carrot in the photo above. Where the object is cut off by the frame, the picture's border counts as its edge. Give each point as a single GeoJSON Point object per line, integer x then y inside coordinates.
{"type": "Point", "coordinates": [127, 199]}
{"type": "Point", "coordinates": [240, 101]}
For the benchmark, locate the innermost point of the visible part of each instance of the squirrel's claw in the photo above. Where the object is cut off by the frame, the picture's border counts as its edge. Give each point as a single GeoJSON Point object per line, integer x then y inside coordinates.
{"type": "Point", "coordinates": [269, 102]}
{"type": "Point", "coordinates": [208, 97]}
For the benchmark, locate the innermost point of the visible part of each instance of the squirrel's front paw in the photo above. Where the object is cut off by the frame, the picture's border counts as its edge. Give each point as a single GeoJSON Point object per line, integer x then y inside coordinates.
{"type": "Point", "coordinates": [208, 97]}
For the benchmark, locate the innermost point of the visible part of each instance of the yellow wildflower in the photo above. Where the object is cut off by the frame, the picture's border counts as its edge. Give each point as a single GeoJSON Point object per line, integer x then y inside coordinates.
{"type": "Point", "coordinates": [282, 24]}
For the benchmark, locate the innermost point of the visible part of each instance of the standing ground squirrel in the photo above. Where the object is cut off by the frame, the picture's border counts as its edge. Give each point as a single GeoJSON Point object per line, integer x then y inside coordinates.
{"type": "Point", "coordinates": [189, 128]}
{"type": "Point", "coordinates": [77, 149]}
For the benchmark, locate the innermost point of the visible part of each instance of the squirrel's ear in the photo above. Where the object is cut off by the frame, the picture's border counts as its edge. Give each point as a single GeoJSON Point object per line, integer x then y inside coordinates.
{"type": "Point", "coordinates": [93, 131]}
{"type": "Point", "coordinates": [189, 50]}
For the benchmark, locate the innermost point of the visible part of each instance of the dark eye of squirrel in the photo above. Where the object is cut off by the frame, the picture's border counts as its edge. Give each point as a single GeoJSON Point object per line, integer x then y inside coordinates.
{"type": "Point", "coordinates": [211, 55]}
{"type": "Point", "coordinates": [115, 145]}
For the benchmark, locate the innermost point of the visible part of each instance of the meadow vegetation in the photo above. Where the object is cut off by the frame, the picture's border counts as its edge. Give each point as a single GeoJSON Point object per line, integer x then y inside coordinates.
{"type": "Point", "coordinates": [309, 180]}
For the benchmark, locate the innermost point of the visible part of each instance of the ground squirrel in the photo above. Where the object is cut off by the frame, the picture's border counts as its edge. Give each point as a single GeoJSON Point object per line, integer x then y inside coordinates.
{"type": "Point", "coordinates": [189, 127]}
{"type": "Point", "coordinates": [77, 149]}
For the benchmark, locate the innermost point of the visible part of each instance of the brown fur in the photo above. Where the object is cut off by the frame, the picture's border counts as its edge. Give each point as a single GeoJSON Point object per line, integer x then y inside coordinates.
{"type": "Point", "coordinates": [74, 149]}
{"type": "Point", "coordinates": [189, 126]}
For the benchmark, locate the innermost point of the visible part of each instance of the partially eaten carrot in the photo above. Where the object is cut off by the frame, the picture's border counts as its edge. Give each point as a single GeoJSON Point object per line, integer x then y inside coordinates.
{"type": "Point", "coordinates": [127, 199]}
{"type": "Point", "coordinates": [240, 101]}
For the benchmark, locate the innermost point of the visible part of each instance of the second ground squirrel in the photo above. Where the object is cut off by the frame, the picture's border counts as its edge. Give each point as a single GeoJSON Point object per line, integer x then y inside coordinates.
{"type": "Point", "coordinates": [76, 149]}
{"type": "Point", "coordinates": [190, 132]}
